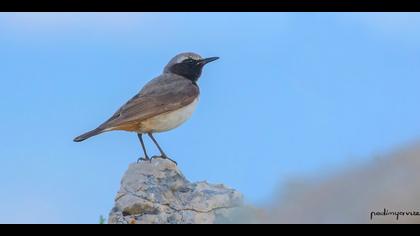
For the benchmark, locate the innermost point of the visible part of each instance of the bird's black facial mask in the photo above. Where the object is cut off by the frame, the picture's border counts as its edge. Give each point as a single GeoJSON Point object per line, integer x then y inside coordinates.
{"type": "Point", "coordinates": [191, 68]}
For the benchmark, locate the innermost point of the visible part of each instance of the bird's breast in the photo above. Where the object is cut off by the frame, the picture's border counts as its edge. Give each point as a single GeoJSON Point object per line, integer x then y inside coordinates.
{"type": "Point", "coordinates": [168, 120]}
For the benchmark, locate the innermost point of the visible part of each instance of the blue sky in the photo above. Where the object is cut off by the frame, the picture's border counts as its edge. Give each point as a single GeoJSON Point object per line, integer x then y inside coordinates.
{"type": "Point", "coordinates": [294, 94]}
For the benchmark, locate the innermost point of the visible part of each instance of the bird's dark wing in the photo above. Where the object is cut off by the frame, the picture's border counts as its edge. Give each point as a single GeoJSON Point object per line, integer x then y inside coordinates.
{"type": "Point", "coordinates": [163, 94]}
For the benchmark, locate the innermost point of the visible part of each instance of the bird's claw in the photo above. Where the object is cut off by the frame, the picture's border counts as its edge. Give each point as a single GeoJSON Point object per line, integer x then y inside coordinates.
{"type": "Point", "coordinates": [144, 159]}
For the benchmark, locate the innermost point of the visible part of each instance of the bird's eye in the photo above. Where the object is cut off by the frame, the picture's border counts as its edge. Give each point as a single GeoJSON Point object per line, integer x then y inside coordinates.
{"type": "Point", "coordinates": [190, 61]}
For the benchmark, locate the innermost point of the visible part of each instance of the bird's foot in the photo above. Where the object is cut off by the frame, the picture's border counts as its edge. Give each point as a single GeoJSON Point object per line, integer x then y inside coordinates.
{"type": "Point", "coordinates": [165, 158]}
{"type": "Point", "coordinates": [144, 159]}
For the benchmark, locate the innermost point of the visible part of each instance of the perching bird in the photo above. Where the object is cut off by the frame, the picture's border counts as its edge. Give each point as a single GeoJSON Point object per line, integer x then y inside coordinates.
{"type": "Point", "coordinates": [163, 104]}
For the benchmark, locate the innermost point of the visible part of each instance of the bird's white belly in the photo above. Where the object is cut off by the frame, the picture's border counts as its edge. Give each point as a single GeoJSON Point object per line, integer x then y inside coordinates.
{"type": "Point", "coordinates": [169, 120]}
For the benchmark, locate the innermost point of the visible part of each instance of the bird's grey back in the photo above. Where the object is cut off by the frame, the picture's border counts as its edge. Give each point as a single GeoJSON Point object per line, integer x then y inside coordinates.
{"type": "Point", "coordinates": [166, 82]}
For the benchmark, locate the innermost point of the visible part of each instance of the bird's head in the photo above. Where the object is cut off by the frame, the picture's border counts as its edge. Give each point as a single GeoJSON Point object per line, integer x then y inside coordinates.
{"type": "Point", "coordinates": [188, 65]}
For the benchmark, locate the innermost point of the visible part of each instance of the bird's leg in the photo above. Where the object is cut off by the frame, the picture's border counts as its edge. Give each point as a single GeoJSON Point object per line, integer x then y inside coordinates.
{"type": "Point", "coordinates": [162, 153]}
{"type": "Point", "coordinates": [146, 157]}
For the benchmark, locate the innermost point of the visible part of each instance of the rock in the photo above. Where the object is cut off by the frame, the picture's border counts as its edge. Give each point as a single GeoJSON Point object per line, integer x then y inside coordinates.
{"type": "Point", "coordinates": [158, 193]}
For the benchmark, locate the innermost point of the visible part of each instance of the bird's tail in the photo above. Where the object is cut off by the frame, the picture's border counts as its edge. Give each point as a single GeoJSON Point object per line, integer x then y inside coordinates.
{"type": "Point", "coordinates": [89, 135]}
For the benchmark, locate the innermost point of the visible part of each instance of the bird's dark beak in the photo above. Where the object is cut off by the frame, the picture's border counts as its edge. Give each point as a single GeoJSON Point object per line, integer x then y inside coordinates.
{"type": "Point", "coordinates": [207, 60]}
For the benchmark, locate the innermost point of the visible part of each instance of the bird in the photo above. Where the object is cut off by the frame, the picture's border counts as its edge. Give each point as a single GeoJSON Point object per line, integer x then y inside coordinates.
{"type": "Point", "coordinates": [163, 104]}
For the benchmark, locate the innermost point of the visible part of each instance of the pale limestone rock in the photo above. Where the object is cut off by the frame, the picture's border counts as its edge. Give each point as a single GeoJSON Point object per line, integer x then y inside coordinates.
{"type": "Point", "coordinates": [157, 193]}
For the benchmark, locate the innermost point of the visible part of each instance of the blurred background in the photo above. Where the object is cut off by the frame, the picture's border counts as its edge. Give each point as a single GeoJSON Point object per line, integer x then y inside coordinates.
{"type": "Point", "coordinates": [314, 116]}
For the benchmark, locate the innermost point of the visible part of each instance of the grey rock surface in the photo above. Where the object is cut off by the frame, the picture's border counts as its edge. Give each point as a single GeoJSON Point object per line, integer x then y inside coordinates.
{"type": "Point", "coordinates": [158, 193]}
